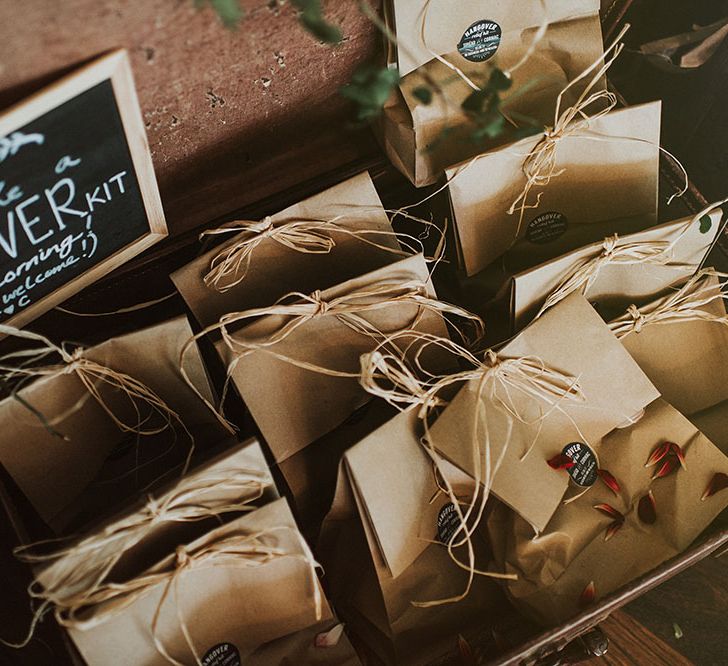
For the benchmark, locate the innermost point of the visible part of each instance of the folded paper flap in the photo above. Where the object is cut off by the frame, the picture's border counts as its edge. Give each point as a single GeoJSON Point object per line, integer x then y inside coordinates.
{"type": "Point", "coordinates": [443, 30]}
{"type": "Point", "coordinates": [605, 158]}
{"type": "Point", "coordinates": [678, 247]}
{"type": "Point", "coordinates": [278, 269]}
{"type": "Point", "coordinates": [572, 340]}
{"type": "Point", "coordinates": [228, 483]}
{"type": "Point", "coordinates": [679, 341]}
{"type": "Point", "coordinates": [319, 359]}
{"type": "Point", "coordinates": [395, 480]}
{"type": "Point", "coordinates": [210, 585]}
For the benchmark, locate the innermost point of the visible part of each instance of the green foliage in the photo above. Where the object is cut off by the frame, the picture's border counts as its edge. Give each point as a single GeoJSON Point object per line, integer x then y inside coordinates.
{"type": "Point", "coordinates": [705, 224]}
{"type": "Point", "coordinates": [228, 11]}
{"type": "Point", "coordinates": [423, 94]}
{"type": "Point", "coordinates": [369, 89]}
{"type": "Point", "coordinates": [313, 20]}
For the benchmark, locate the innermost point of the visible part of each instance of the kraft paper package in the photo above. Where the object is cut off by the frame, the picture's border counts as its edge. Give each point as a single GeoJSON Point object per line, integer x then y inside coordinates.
{"type": "Point", "coordinates": [242, 585]}
{"type": "Point", "coordinates": [617, 271]}
{"type": "Point", "coordinates": [604, 180]}
{"type": "Point", "coordinates": [604, 539]}
{"type": "Point", "coordinates": [543, 45]}
{"type": "Point", "coordinates": [563, 380]}
{"type": "Point", "coordinates": [383, 547]}
{"type": "Point", "coordinates": [297, 365]}
{"type": "Point", "coordinates": [322, 241]}
{"type": "Point", "coordinates": [118, 417]}
{"type": "Point", "coordinates": [681, 343]}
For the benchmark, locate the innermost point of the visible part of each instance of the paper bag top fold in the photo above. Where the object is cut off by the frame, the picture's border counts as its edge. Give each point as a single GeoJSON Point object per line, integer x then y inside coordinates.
{"type": "Point", "coordinates": [571, 339]}
{"type": "Point", "coordinates": [52, 472]}
{"type": "Point", "coordinates": [236, 597]}
{"type": "Point", "coordinates": [428, 28]}
{"type": "Point", "coordinates": [293, 405]}
{"type": "Point", "coordinates": [618, 283]}
{"type": "Point", "coordinates": [610, 170]}
{"type": "Point", "coordinates": [276, 270]}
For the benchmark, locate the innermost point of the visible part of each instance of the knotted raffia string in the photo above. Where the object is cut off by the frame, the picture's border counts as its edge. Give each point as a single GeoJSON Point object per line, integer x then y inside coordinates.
{"type": "Point", "coordinates": [689, 303]}
{"type": "Point", "coordinates": [18, 367]}
{"type": "Point", "coordinates": [498, 381]}
{"type": "Point", "coordinates": [232, 551]}
{"type": "Point", "coordinates": [76, 572]}
{"type": "Point", "coordinates": [231, 264]}
{"type": "Point", "coordinates": [297, 309]}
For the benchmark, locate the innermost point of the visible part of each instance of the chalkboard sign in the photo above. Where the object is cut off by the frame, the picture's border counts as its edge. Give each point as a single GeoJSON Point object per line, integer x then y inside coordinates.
{"type": "Point", "coordinates": [78, 195]}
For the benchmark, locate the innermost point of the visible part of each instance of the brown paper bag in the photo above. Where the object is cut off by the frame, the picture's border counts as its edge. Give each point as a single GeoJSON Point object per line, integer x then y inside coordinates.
{"type": "Point", "coordinates": [383, 547]}
{"type": "Point", "coordinates": [555, 569]}
{"type": "Point", "coordinates": [246, 583]}
{"type": "Point", "coordinates": [434, 41]}
{"type": "Point", "coordinates": [298, 372]}
{"type": "Point", "coordinates": [617, 271]}
{"type": "Point", "coordinates": [681, 343]}
{"type": "Point", "coordinates": [53, 473]}
{"type": "Point", "coordinates": [565, 379]}
{"type": "Point", "coordinates": [607, 170]}
{"type": "Point", "coordinates": [277, 269]}
{"type": "Point", "coordinates": [234, 482]}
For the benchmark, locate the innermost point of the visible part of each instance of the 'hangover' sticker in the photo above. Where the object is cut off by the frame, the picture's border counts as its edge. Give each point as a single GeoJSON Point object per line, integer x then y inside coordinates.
{"type": "Point", "coordinates": [448, 522]}
{"type": "Point", "coordinates": [546, 228]}
{"type": "Point", "coordinates": [223, 654]}
{"type": "Point", "coordinates": [480, 41]}
{"type": "Point", "coordinates": [584, 471]}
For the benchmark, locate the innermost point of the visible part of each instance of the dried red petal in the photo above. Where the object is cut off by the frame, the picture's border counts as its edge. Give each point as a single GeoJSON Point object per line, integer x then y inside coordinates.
{"type": "Point", "coordinates": [467, 658]}
{"type": "Point", "coordinates": [610, 511]}
{"type": "Point", "coordinates": [609, 480]}
{"type": "Point", "coordinates": [588, 595]}
{"type": "Point", "coordinates": [646, 509]}
{"type": "Point", "coordinates": [658, 453]}
{"type": "Point", "coordinates": [613, 528]}
{"type": "Point", "coordinates": [667, 468]}
{"type": "Point", "coordinates": [561, 461]}
{"type": "Point", "coordinates": [717, 483]}
{"type": "Point", "coordinates": [678, 453]}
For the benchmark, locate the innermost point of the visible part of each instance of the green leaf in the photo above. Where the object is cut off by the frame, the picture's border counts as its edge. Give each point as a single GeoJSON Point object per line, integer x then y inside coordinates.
{"type": "Point", "coordinates": [491, 129]}
{"type": "Point", "coordinates": [424, 94]}
{"type": "Point", "coordinates": [228, 11]}
{"type": "Point", "coordinates": [705, 224]}
{"type": "Point", "coordinates": [313, 20]}
{"type": "Point", "coordinates": [369, 89]}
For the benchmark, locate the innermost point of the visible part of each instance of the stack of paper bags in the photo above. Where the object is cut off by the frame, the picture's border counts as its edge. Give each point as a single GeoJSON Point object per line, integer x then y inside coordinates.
{"type": "Point", "coordinates": [435, 43]}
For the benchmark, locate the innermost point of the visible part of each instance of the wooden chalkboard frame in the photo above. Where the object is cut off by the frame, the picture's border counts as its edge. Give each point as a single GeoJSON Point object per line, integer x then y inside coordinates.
{"type": "Point", "coordinates": [116, 68]}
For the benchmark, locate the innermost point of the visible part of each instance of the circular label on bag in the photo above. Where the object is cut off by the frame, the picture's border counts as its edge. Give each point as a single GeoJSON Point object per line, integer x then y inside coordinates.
{"type": "Point", "coordinates": [480, 41]}
{"type": "Point", "coordinates": [448, 522]}
{"type": "Point", "coordinates": [223, 654]}
{"type": "Point", "coordinates": [584, 471]}
{"type": "Point", "coordinates": [546, 228]}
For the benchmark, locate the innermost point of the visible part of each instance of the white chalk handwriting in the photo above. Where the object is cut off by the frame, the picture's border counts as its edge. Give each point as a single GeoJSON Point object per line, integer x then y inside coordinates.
{"type": "Point", "coordinates": [11, 144]}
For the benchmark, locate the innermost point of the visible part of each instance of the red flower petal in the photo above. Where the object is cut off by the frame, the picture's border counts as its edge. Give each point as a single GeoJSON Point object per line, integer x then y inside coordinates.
{"type": "Point", "coordinates": [658, 453]}
{"type": "Point", "coordinates": [613, 528]}
{"type": "Point", "coordinates": [561, 461]}
{"type": "Point", "coordinates": [609, 480]}
{"type": "Point", "coordinates": [667, 468]}
{"type": "Point", "coordinates": [678, 452]}
{"type": "Point", "coordinates": [717, 483]}
{"type": "Point", "coordinates": [610, 511]}
{"type": "Point", "coordinates": [646, 509]}
{"type": "Point", "coordinates": [588, 595]}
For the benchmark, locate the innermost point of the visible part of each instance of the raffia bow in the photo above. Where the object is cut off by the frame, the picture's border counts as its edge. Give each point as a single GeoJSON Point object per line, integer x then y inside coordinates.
{"type": "Point", "coordinates": [297, 309]}
{"type": "Point", "coordinates": [498, 380]}
{"type": "Point", "coordinates": [16, 368]}
{"type": "Point", "coordinates": [235, 550]}
{"type": "Point", "coordinates": [231, 264]}
{"type": "Point", "coordinates": [689, 303]}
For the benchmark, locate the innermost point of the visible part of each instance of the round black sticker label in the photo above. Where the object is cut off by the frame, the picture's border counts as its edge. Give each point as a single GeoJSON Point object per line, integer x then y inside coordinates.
{"type": "Point", "coordinates": [223, 654]}
{"type": "Point", "coordinates": [584, 471]}
{"type": "Point", "coordinates": [480, 41]}
{"type": "Point", "coordinates": [546, 228]}
{"type": "Point", "coordinates": [448, 522]}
